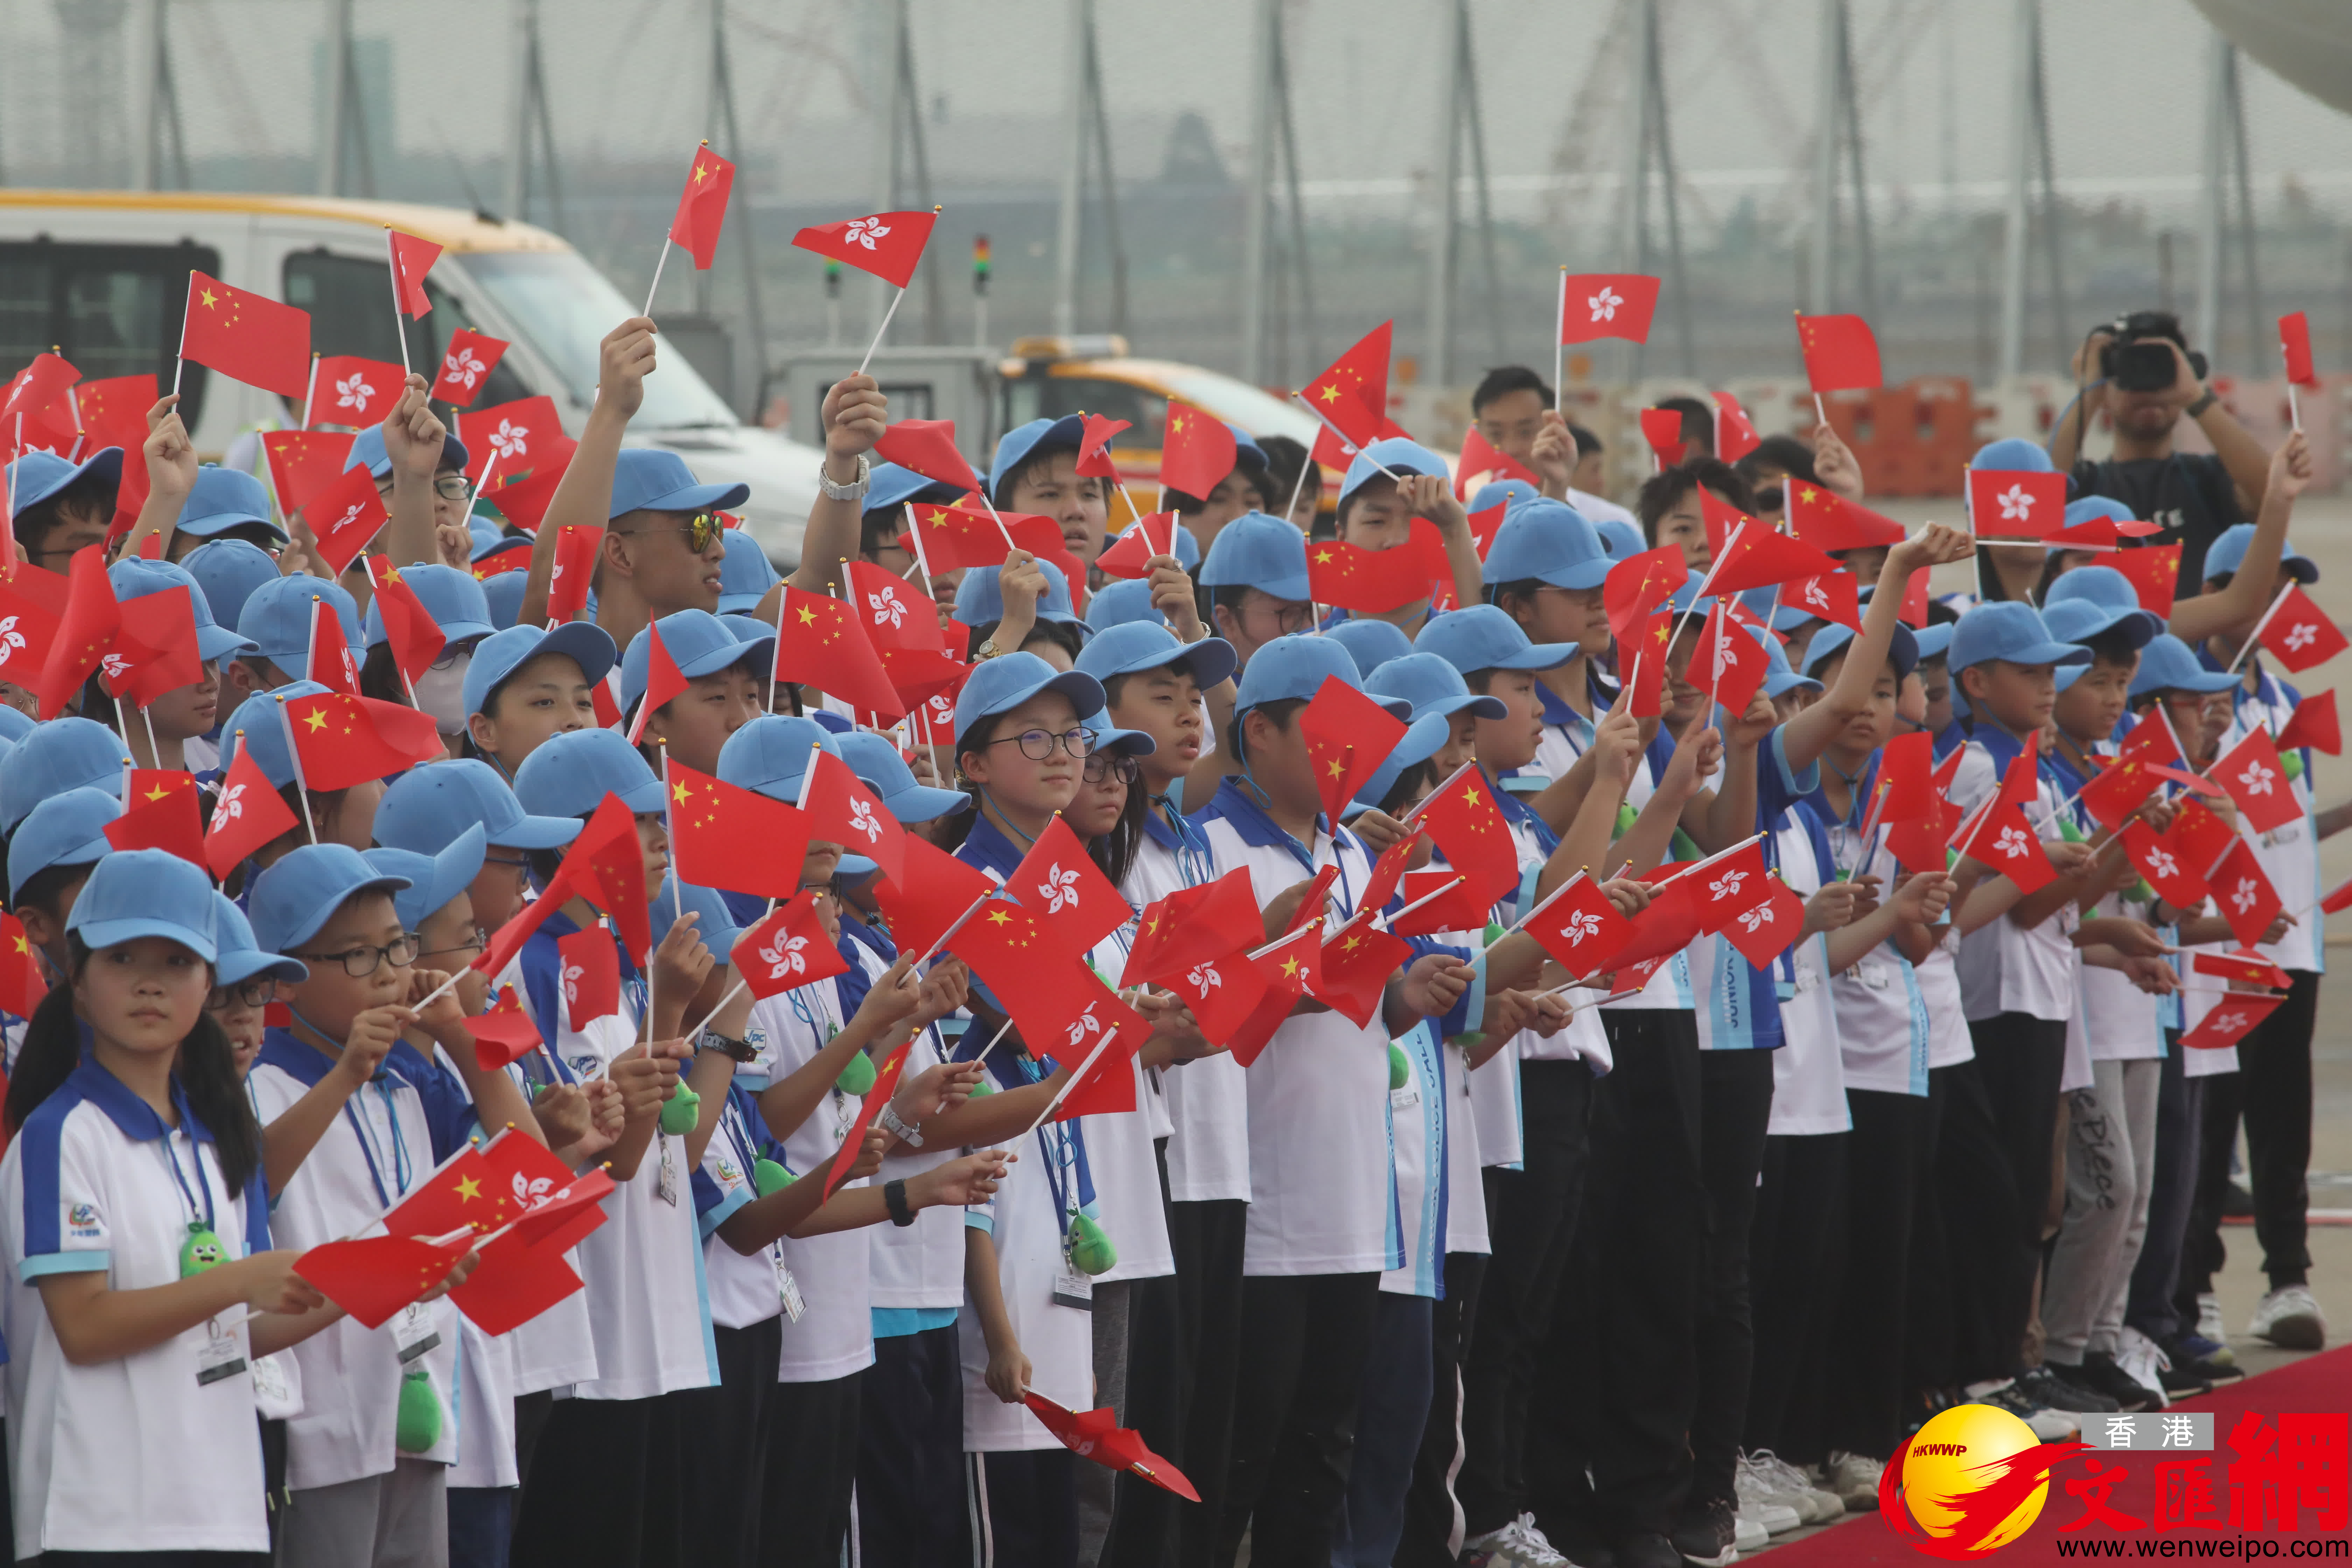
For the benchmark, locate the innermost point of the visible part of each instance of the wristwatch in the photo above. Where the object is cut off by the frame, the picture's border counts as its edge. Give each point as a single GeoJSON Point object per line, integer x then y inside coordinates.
{"type": "Point", "coordinates": [2206, 400]}
{"type": "Point", "coordinates": [854, 491]}
{"type": "Point", "coordinates": [985, 650]}
{"type": "Point", "coordinates": [889, 1123]}
{"type": "Point", "coordinates": [893, 1198]}
{"type": "Point", "coordinates": [741, 1050]}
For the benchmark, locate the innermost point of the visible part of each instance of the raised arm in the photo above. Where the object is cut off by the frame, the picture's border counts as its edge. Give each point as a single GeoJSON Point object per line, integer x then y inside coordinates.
{"type": "Point", "coordinates": [855, 413]}
{"type": "Point", "coordinates": [1807, 735]}
{"type": "Point", "coordinates": [2248, 593]}
{"type": "Point", "coordinates": [584, 497]}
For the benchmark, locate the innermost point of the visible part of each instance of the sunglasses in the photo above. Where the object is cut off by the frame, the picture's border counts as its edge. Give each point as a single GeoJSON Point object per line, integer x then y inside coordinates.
{"type": "Point", "coordinates": [699, 530]}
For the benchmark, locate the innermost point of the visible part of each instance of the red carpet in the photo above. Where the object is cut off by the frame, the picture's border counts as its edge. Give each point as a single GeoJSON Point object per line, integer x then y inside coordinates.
{"type": "Point", "coordinates": [2319, 1382]}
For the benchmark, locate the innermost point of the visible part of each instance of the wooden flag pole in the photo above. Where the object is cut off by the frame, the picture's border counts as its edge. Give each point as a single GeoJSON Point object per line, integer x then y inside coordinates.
{"type": "Point", "coordinates": [399, 307]}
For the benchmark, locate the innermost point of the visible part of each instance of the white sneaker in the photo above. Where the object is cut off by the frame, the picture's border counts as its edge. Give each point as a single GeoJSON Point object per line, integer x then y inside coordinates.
{"type": "Point", "coordinates": [2209, 1319]}
{"type": "Point", "coordinates": [1764, 1478]}
{"type": "Point", "coordinates": [2141, 1359]}
{"type": "Point", "coordinates": [2290, 1317]}
{"type": "Point", "coordinates": [1854, 1480]}
{"type": "Point", "coordinates": [1746, 1535]}
{"type": "Point", "coordinates": [1518, 1544]}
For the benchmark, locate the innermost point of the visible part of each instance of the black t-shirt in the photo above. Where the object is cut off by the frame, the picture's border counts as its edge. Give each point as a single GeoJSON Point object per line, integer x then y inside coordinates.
{"type": "Point", "coordinates": [2188, 494]}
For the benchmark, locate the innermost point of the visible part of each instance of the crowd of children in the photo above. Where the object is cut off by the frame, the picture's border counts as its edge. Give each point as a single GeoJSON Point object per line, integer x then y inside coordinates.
{"type": "Point", "coordinates": [1492, 1262]}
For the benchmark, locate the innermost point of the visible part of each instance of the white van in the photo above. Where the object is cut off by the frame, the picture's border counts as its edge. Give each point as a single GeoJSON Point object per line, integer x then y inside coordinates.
{"type": "Point", "coordinates": [102, 275]}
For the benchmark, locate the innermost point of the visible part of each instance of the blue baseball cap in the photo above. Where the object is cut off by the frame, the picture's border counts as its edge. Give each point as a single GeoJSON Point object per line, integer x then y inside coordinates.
{"type": "Point", "coordinates": [839, 723]}
{"type": "Point", "coordinates": [747, 628]}
{"type": "Point", "coordinates": [367, 448]}
{"type": "Point", "coordinates": [260, 722]}
{"type": "Point", "coordinates": [495, 544]}
{"type": "Point", "coordinates": [430, 807]}
{"type": "Point", "coordinates": [2091, 508]}
{"type": "Point", "coordinates": [1933, 639]}
{"type": "Point", "coordinates": [570, 775]}
{"type": "Point", "coordinates": [1435, 689]}
{"type": "Point", "coordinates": [1398, 454]}
{"type": "Point", "coordinates": [2227, 552]}
{"type": "Point", "coordinates": [453, 598]}
{"type": "Point", "coordinates": [1370, 643]}
{"type": "Point", "coordinates": [1620, 538]}
{"type": "Point", "coordinates": [59, 756]}
{"type": "Point", "coordinates": [500, 654]}
{"type": "Point", "coordinates": [1503, 493]}
{"type": "Point", "coordinates": [1483, 637]}
{"type": "Point", "coordinates": [433, 880]}
{"type": "Point", "coordinates": [651, 479]}
{"type": "Point", "coordinates": [67, 829]}
{"type": "Point", "coordinates": [2009, 631]}
{"type": "Point", "coordinates": [487, 535]}
{"type": "Point", "coordinates": [37, 476]}
{"type": "Point", "coordinates": [240, 958]}
{"type": "Point", "coordinates": [875, 760]}
{"type": "Point", "coordinates": [1122, 602]}
{"type": "Point", "coordinates": [1257, 550]}
{"type": "Point", "coordinates": [2092, 599]}
{"type": "Point", "coordinates": [889, 487]}
{"type": "Point", "coordinates": [716, 928]}
{"type": "Point", "coordinates": [747, 573]}
{"type": "Point", "coordinates": [1140, 645]}
{"type": "Point", "coordinates": [135, 577]}
{"type": "Point", "coordinates": [2168, 664]}
{"type": "Point", "coordinates": [1021, 443]}
{"type": "Point", "coordinates": [15, 724]}
{"type": "Point", "coordinates": [223, 499]}
{"type": "Point", "coordinates": [980, 599]}
{"type": "Point", "coordinates": [2012, 454]}
{"type": "Point", "coordinates": [1188, 549]}
{"type": "Point", "coordinates": [301, 890]}
{"type": "Point", "coordinates": [1835, 637]}
{"type": "Point", "coordinates": [1789, 617]}
{"type": "Point", "coordinates": [146, 893]}
{"type": "Point", "coordinates": [1297, 665]}
{"type": "Point", "coordinates": [1001, 684]}
{"type": "Point", "coordinates": [502, 596]}
{"type": "Point", "coordinates": [698, 643]}
{"type": "Point", "coordinates": [1778, 677]}
{"type": "Point", "coordinates": [1549, 540]}
{"type": "Point", "coordinates": [1423, 740]}
{"type": "Point", "coordinates": [771, 754]}
{"type": "Point", "coordinates": [228, 571]}
{"type": "Point", "coordinates": [276, 619]}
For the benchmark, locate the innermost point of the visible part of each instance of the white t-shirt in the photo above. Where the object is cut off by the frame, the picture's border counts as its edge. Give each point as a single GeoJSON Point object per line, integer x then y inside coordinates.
{"type": "Point", "coordinates": [744, 1287]}
{"type": "Point", "coordinates": [1417, 1118]}
{"type": "Point", "coordinates": [1808, 1070]}
{"type": "Point", "coordinates": [2005, 967]}
{"type": "Point", "coordinates": [1024, 1218]}
{"type": "Point", "coordinates": [1124, 1162]}
{"type": "Point", "coordinates": [129, 1455]}
{"type": "Point", "coordinates": [557, 1348]}
{"type": "Point", "coordinates": [1948, 1041]}
{"type": "Point", "coordinates": [1881, 1016]}
{"type": "Point", "coordinates": [1208, 1100]}
{"type": "Point", "coordinates": [920, 1265]}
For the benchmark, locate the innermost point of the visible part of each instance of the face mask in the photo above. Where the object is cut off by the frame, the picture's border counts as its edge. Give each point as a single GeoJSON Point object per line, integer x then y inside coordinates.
{"type": "Point", "coordinates": [442, 693]}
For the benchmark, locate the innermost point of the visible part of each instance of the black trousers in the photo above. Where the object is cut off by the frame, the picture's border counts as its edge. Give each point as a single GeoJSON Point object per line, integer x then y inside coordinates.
{"type": "Point", "coordinates": [1800, 1242]}
{"type": "Point", "coordinates": [1021, 1508]}
{"type": "Point", "coordinates": [2202, 1252]}
{"type": "Point", "coordinates": [2180, 1100]}
{"type": "Point", "coordinates": [1620, 1375]}
{"type": "Point", "coordinates": [1531, 1218]}
{"type": "Point", "coordinates": [1207, 1239]}
{"type": "Point", "coordinates": [1976, 1197]}
{"type": "Point", "coordinates": [1304, 1340]}
{"type": "Point", "coordinates": [607, 1485]}
{"type": "Point", "coordinates": [1928, 1358]}
{"type": "Point", "coordinates": [812, 1470]}
{"type": "Point", "coordinates": [1144, 1519]}
{"type": "Point", "coordinates": [1735, 1107]}
{"type": "Point", "coordinates": [2275, 1100]}
{"type": "Point", "coordinates": [2019, 1059]}
{"type": "Point", "coordinates": [729, 1427]}
{"type": "Point", "coordinates": [1433, 1515]}
{"type": "Point", "coordinates": [910, 1504]}
{"type": "Point", "coordinates": [1886, 1165]}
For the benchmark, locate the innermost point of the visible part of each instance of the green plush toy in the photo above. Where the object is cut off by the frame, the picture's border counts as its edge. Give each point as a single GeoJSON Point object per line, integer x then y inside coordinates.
{"type": "Point", "coordinates": [857, 1077]}
{"type": "Point", "coordinates": [767, 1176]}
{"type": "Point", "coordinates": [1399, 1068]}
{"type": "Point", "coordinates": [419, 1424]}
{"type": "Point", "coordinates": [2294, 761]}
{"type": "Point", "coordinates": [1091, 1252]}
{"type": "Point", "coordinates": [201, 1250]}
{"type": "Point", "coordinates": [679, 1115]}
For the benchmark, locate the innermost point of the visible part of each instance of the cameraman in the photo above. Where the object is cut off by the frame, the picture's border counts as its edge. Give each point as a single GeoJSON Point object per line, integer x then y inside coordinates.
{"type": "Point", "coordinates": [2123, 368]}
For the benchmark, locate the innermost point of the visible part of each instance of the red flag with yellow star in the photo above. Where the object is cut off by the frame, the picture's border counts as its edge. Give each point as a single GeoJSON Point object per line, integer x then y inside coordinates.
{"type": "Point", "coordinates": [503, 1033]}
{"type": "Point", "coordinates": [1827, 520]}
{"type": "Point", "coordinates": [344, 740]}
{"type": "Point", "coordinates": [877, 1095]}
{"type": "Point", "coordinates": [820, 644]}
{"type": "Point", "coordinates": [1354, 965]}
{"type": "Point", "coordinates": [1481, 457]}
{"type": "Point", "coordinates": [702, 205]}
{"type": "Point", "coordinates": [2117, 789]}
{"type": "Point", "coordinates": [1196, 452]}
{"type": "Point", "coordinates": [927, 447]}
{"type": "Point", "coordinates": [955, 536]}
{"type": "Point", "coordinates": [1353, 393]}
{"type": "Point", "coordinates": [1840, 352]}
{"type": "Point", "coordinates": [245, 337]}
{"type": "Point", "coordinates": [1372, 582]}
{"type": "Point", "coordinates": [112, 411]}
{"type": "Point", "coordinates": [415, 636]}
{"type": "Point", "coordinates": [21, 986]}
{"type": "Point", "coordinates": [1640, 583]}
{"type": "Point", "coordinates": [161, 815]}
{"type": "Point", "coordinates": [722, 836]}
{"type": "Point", "coordinates": [1348, 736]}
{"type": "Point", "coordinates": [304, 462]}
{"type": "Point", "coordinates": [1290, 969]}
{"type": "Point", "coordinates": [86, 631]}
{"type": "Point", "coordinates": [375, 1277]}
{"type": "Point", "coordinates": [2154, 572]}
{"type": "Point", "coordinates": [1463, 818]}
{"type": "Point", "coordinates": [607, 863]}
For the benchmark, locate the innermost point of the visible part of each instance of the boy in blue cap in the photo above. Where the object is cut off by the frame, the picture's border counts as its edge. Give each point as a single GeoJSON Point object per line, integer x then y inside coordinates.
{"type": "Point", "coordinates": [185, 713]}
{"type": "Point", "coordinates": [225, 503]}
{"type": "Point", "coordinates": [276, 619]}
{"type": "Point", "coordinates": [59, 509]}
{"type": "Point", "coordinates": [1546, 569]}
{"type": "Point", "coordinates": [1389, 484]}
{"type": "Point", "coordinates": [891, 491]}
{"type": "Point", "coordinates": [1035, 470]}
{"type": "Point", "coordinates": [1255, 573]}
{"type": "Point", "coordinates": [50, 855]}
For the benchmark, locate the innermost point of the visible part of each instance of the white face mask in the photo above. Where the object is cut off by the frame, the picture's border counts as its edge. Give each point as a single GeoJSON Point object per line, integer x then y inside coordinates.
{"type": "Point", "coordinates": [442, 693]}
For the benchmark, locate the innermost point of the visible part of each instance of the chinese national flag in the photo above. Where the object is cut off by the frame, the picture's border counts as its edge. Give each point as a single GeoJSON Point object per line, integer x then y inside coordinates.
{"type": "Point", "coordinates": [1721, 889]}
{"type": "Point", "coordinates": [2297, 633]}
{"type": "Point", "coordinates": [877, 1095]}
{"type": "Point", "coordinates": [895, 616]}
{"type": "Point", "coordinates": [2246, 966]}
{"type": "Point", "coordinates": [2256, 779]}
{"type": "Point", "coordinates": [1827, 520]}
{"type": "Point", "coordinates": [2294, 345]}
{"type": "Point", "coordinates": [498, 565]}
{"type": "Point", "coordinates": [304, 462]}
{"type": "Point", "coordinates": [155, 652]}
{"type": "Point", "coordinates": [503, 1033]}
{"type": "Point", "coordinates": [1640, 583]}
{"type": "Point", "coordinates": [467, 367]}
{"type": "Point", "coordinates": [1352, 395]}
{"type": "Point", "coordinates": [2199, 836]}
{"type": "Point", "coordinates": [2015, 503]}
{"type": "Point", "coordinates": [1373, 580]}
{"type": "Point", "coordinates": [1906, 770]}
{"type": "Point", "coordinates": [888, 245]}
{"type": "Point", "coordinates": [1131, 553]}
{"type": "Point", "coordinates": [160, 813]}
{"type": "Point", "coordinates": [2177, 884]}
{"type": "Point", "coordinates": [576, 547]}
{"type": "Point", "coordinates": [1598, 305]}
{"type": "Point", "coordinates": [787, 949]}
{"type": "Point", "coordinates": [415, 636]}
{"type": "Point", "coordinates": [2314, 724]}
{"type": "Point", "coordinates": [702, 207]}
{"type": "Point", "coordinates": [1031, 973]}
{"type": "Point", "coordinates": [245, 337]}
{"type": "Point", "coordinates": [1841, 354]}
{"type": "Point", "coordinates": [1919, 840]}
{"type": "Point", "coordinates": [842, 810]}
{"type": "Point", "coordinates": [86, 631]}
{"type": "Point", "coordinates": [1059, 882]}
{"type": "Point", "coordinates": [2231, 1020]}
{"type": "Point", "coordinates": [1763, 931]}
{"type": "Point", "coordinates": [524, 436]}
{"type": "Point", "coordinates": [2154, 571]}
{"type": "Point", "coordinates": [821, 644]}
{"type": "Point", "coordinates": [248, 814]}
{"type": "Point", "coordinates": [724, 836]}
{"type": "Point", "coordinates": [331, 663]}
{"type": "Point", "coordinates": [1288, 969]}
{"type": "Point", "coordinates": [1354, 968]}
{"type": "Point", "coordinates": [2003, 840]}
{"type": "Point", "coordinates": [1735, 433]}
{"type": "Point", "coordinates": [1760, 558]}
{"type": "Point", "coordinates": [591, 975]}
{"type": "Point", "coordinates": [1580, 927]}
{"type": "Point", "coordinates": [1464, 820]}
{"type": "Point", "coordinates": [1221, 990]}
{"type": "Point", "coordinates": [113, 412]}
{"type": "Point", "coordinates": [1735, 663]}
{"type": "Point", "coordinates": [344, 740]}
{"type": "Point", "coordinates": [412, 258]}
{"type": "Point", "coordinates": [1196, 453]}
{"type": "Point", "coordinates": [21, 986]}
{"type": "Point", "coordinates": [936, 889]}
{"type": "Point", "coordinates": [663, 680]}
{"type": "Point", "coordinates": [1348, 736]}
{"type": "Point", "coordinates": [1645, 683]}
{"type": "Point", "coordinates": [353, 392]}
{"type": "Point", "coordinates": [1481, 457]}
{"type": "Point", "coordinates": [927, 447]}
{"type": "Point", "coordinates": [463, 1191]}
{"type": "Point", "coordinates": [344, 516]}
{"type": "Point", "coordinates": [1192, 925]}
{"type": "Point", "coordinates": [2244, 893]}
{"type": "Point", "coordinates": [2118, 788]}
{"type": "Point", "coordinates": [606, 865]}
{"type": "Point", "coordinates": [1455, 907]}
{"type": "Point", "coordinates": [375, 1277]}
{"type": "Point", "coordinates": [2152, 739]}
{"type": "Point", "coordinates": [1832, 598]}
{"type": "Point", "coordinates": [1093, 460]}
{"type": "Point", "coordinates": [1388, 873]}
{"type": "Point", "coordinates": [955, 536]}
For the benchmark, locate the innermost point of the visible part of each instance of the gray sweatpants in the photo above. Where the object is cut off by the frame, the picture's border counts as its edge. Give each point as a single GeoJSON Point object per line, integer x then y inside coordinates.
{"type": "Point", "coordinates": [2110, 1168]}
{"type": "Point", "coordinates": [399, 1520]}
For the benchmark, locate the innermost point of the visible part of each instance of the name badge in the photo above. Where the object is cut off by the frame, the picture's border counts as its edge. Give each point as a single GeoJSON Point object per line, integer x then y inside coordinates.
{"type": "Point", "coordinates": [1404, 1098]}
{"type": "Point", "coordinates": [269, 1380]}
{"type": "Point", "coordinates": [788, 1289]}
{"type": "Point", "coordinates": [412, 1333]}
{"type": "Point", "coordinates": [220, 1356]}
{"type": "Point", "coordinates": [1072, 1288]}
{"type": "Point", "coordinates": [1873, 976]}
{"type": "Point", "coordinates": [666, 1178]}
{"type": "Point", "coordinates": [2278, 836]}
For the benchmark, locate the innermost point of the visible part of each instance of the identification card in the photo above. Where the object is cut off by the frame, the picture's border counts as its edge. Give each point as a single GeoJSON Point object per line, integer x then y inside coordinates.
{"type": "Point", "coordinates": [1873, 976]}
{"type": "Point", "coordinates": [220, 1356]}
{"type": "Point", "coordinates": [1072, 1288]}
{"type": "Point", "coordinates": [1404, 1098]}
{"type": "Point", "coordinates": [788, 1289]}
{"type": "Point", "coordinates": [412, 1333]}
{"type": "Point", "coordinates": [666, 1179]}
{"type": "Point", "coordinates": [269, 1380]}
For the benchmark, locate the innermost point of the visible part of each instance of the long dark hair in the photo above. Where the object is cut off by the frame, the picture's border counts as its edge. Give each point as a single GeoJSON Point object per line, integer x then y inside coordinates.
{"type": "Point", "coordinates": [207, 1070]}
{"type": "Point", "coordinates": [1114, 853]}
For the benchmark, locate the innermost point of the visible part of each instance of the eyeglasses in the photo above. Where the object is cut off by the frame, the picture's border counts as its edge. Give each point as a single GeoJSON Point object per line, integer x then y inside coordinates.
{"type": "Point", "coordinates": [446, 659]}
{"type": "Point", "coordinates": [448, 487]}
{"type": "Point", "coordinates": [1101, 766]}
{"type": "Point", "coordinates": [699, 530]}
{"type": "Point", "coordinates": [1038, 744]}
{"type": "Point", "coordinates": [512, 862]}
{"type": "Point", "coordinates": [482, 940]}
{"type": "Point", "coordinates": [1292, 616]}
{"type": "Point", "coordinates": [360, 962]}
{"type": "Point", "coordinates": [258, 993]}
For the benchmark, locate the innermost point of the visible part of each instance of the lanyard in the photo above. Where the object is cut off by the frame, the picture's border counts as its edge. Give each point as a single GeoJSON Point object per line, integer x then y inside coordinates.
{"type": "Point", "coordinates": [172, 1158]}
{"type": "Point", "coordinates": [362, 1125]}
{"type": "Point", "coordinates": [1193, 863]}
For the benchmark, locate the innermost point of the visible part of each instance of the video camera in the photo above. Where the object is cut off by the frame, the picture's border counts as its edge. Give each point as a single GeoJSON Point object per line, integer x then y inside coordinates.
{"type": "Point", "coordinates": [2136, 358]}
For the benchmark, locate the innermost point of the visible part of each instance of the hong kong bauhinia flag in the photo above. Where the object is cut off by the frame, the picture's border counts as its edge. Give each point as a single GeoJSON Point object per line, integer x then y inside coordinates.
{"type": "Point", "coordinates": [1597, 305]}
